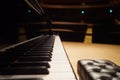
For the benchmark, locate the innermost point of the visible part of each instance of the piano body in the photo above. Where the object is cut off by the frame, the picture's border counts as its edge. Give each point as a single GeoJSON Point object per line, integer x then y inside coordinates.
{"type": "Point", "coordinates": [24, 61]}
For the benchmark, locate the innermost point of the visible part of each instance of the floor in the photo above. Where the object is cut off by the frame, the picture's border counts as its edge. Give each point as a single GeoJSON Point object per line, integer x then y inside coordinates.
{"type": "Point", "coordinates": [77, 51]}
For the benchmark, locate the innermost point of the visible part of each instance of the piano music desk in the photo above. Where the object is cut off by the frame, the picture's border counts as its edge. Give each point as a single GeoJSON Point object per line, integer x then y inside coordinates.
{"type": "Point", "coordinates": [77, 51]}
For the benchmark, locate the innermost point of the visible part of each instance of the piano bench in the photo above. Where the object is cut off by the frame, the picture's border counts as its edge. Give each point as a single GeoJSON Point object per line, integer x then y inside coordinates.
{"type": "Point", "coordinates": [98, 70]}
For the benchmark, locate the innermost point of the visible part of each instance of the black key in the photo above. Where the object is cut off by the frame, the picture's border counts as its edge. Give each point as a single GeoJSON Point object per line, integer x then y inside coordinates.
{"type": "Point", "coordinates": [47, 45]}
{"type": "Point", "coordinates": [25, 70]}
{"type": "Point", "coordinates": [39, 54]}
{"type": "Point", "coordinates": [29, 63]}
{"type": "Point", "coordinates": [43, 49]}
{"type": "Point", "coordinates": [34, 58]}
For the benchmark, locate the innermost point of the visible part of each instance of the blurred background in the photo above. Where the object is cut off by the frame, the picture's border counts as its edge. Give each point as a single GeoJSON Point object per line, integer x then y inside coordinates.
{"type": "Point", "coordinates": [86, 21]}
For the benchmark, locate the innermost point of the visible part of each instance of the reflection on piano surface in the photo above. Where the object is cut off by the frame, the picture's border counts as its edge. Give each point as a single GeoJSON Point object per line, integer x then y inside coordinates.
{"type": "Point", "coordinates": [39, 58]}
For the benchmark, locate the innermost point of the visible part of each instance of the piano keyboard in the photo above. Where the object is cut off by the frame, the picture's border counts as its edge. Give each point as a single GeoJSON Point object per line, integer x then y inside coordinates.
{"type": "Point", "coordinates": [40, 58]}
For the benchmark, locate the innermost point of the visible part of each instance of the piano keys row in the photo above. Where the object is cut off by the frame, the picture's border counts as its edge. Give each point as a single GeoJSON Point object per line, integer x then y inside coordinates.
{"type": "Point", "coordinates": [31, 57]}
{"type": "Point", "coordinates": [46, 62]}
